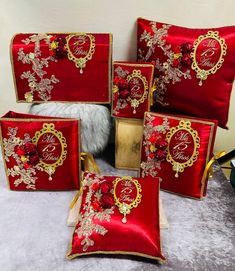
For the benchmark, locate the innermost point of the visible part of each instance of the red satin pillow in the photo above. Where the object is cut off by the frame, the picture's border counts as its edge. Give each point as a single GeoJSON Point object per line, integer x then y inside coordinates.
{"type": "Point", "coordinates": [194, 67]}
{"type": "Point", "coordinates": [132, 84]}
{"type": "Point", "coordinates": [176, 150]}
{"type": "Point", "coordinates": [40, 153]}
{"type": "Point", "coordinates": [103, 229]}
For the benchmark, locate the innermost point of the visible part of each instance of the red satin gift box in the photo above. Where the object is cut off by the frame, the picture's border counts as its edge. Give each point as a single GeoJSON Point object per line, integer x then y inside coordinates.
{"type": "Point", "coordinates": [132, 83]}
{"type": "Point", "coordinates": [41, 153]}
{"type": "Point", "coordinates": [177, 150]}
{"type": "Point", "coordinates": [72, 67]}
{"type": "Point", "coordinates": [118, 215]}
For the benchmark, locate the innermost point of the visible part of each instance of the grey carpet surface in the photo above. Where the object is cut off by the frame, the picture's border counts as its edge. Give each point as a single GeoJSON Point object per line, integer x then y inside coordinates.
{"type": "Point", "coordinates": [34, 235]}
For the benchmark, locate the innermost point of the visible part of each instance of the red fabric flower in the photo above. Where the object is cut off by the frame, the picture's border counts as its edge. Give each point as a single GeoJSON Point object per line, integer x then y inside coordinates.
{"type": "Point", "coordinates": [153, 138]}
{"type": "Point", "coordinates": [52, 38]}
{"type": "Point", "coordinates": [151, 155]}
{"type": "Point", "coordinates": [177, 50]}
{"type": "Point", "coordinates": [161, 144]}
{"type": "Point", "coordinates": [61, 41]}
{"type": "Point", "coordinates": [95, 186]}
{"type": "Point", "coordinates": [186, 60]}
{"type": "Point", "coordinates": [30, 148]}
{"type": "Point", "coordinates": [116, 80]}
{"type": "Point", "coordinates": [186, 48]}
{"type": "Point", "coordinates": [20, 151]}
{"type": "Point", "coordinates": [160, 155]}
{"type": "Point", "coordinates": [61, 52]}
{"type": "Point", "coordinates": [107, 200]}
{"type": "Point", "coordinates": [27, 166]}
{"type": "Point", "coordinates": [33, 159]}
{"type": "Point", "coordinates": [105, 187]}
{"type": "Point", "coordinates": [123, 94]}
{"type": "Point", "coordinates": [52, 53]}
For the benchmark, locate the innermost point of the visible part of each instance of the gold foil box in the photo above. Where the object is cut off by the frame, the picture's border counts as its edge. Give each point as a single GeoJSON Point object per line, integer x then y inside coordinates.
{"type": "Point", "coordinates": [128, 139]}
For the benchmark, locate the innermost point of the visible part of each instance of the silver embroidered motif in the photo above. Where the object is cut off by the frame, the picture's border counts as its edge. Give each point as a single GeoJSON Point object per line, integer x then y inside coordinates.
{"type": "Point", "coordinates": [152, 166]}
{"type": "Point", "coordinates": [169, 73]}
{"type": "Point", "coordinates": [86, 218]}
{"type": "Point", "coordinates": [37, 81]}
{"type": "Point", "coordinates": [25, 176]}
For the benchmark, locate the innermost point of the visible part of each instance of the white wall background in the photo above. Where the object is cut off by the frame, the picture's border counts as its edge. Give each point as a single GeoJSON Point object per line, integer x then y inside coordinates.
{"type": "Point", "coordinates": [118, 17]}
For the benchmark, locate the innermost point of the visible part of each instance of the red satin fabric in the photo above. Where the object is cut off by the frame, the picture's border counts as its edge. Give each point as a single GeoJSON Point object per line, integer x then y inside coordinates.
{"type": "Point", "coordinates": [141, 233]}
{"type": "Point", "coordinates": [189, 181]}
{"type": "Point", "coordinates": [211, 100]}
{"type": "Point", "coordinates": [66, 176]}
{"type": "Point", "coordinates": [91, 86]}
{"type": "Point", "coordinates": [127, 112]}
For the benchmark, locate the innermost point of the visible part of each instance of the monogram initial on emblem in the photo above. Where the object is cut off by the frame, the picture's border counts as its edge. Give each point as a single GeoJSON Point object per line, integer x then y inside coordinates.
{"type": "Point", "coordinates": [51, 146]}
{"type": "Point", "coordinates": [208, 54]}
{"type": "Point", "coordinates": [183, 144]}
{"type": "Point", "coordinates": [80, 47]}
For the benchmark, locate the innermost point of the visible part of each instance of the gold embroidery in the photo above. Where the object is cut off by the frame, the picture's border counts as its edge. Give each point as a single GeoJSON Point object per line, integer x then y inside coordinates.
{"type": "Point", "coordinates": [168, 73]}
{"type": "Point", "coordinates": [151, 166]}
{"type": "Point", "coordinates": [50, 133]}
{"type": "Point", "coordinates": [36, 78]}
{"type": "Point", "coordinates": [24, 175]}
{"type": "Point", "coordinates": [124, 201]}
{"type": "Point", "coordinates": [136, 74]}
{"type": "Point", "coordinates": [212, 36]}
{"type": "Point", "coordinates": [82, 55]}
{"type": "Point", "coordinates": [182, 133]}
{"type": "Point", "coordinates": [87, 215]}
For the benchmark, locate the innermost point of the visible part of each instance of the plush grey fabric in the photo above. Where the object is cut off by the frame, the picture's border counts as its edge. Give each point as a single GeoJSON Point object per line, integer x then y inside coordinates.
{"type": "Point", "coordinates": [95, 121]}
{"type": "Point", "coordinates": [34, 235]}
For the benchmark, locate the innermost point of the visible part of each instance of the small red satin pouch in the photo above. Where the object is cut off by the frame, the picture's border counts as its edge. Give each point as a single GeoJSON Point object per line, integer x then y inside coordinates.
{"type": "Point", "coordinates": [132, 84]}
{"type": "Point", "coordinates": [194, 68]}
{"type": "Point", "coordinates": [41, 153]}
{"type": "Point", "coordinates": [118, 215]}
{"type": "Point", "coordinates": [177, 149]}
{"type": "Point", "coordinates": [73, 67]}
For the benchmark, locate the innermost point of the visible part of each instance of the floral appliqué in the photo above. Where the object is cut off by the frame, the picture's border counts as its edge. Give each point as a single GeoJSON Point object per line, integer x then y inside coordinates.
{"type": "Point", "coordinates": [36, 77]}
{"type": "Point", "coordinates": [120, 88]}
{"type": "Point", "coordinates": [25, 154]}
{"type": "Point", "coordinates": [154, 146]}
{"type": "Point", "coordinates": [177, 62]}
{"type": "Point", "coordinates": [98, 206]}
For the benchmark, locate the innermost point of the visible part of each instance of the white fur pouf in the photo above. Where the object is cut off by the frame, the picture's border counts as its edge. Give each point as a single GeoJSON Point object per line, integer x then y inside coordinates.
{"type": "Point", "coordinates": [95, 121]}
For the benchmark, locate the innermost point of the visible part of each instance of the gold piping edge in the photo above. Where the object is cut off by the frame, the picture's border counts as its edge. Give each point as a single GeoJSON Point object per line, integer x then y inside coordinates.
{"type": "Point", "coordinates": [37, 119]}
{"type": "Point", "coordinates": [206, 121]}
{"type": "Point", "coordinates": [182, 195]}
{"type": "Point", "coordinates": [110, 64]}
{"type": "Point", "coordinates": [129, 64]}
{"type": "Point", "coordinates": [79, 154]}
{"type": "Point", "coordinates": [3, 157]}
{"type": "Point", "coordinates": [12, 67]}
{"type": "Point", "coordinates": [212, 129]}
{"type": "Point", "coordinates": [117, 252]}
{"type": "Point", "coordinates": [52, 101]}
